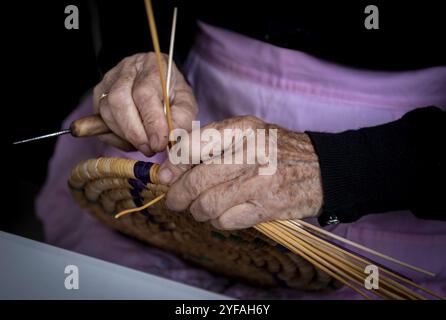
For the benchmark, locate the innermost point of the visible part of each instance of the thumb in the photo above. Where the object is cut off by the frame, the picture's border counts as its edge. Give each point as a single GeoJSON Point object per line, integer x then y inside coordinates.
{"type": "Point", "coordinates": [169, 172]}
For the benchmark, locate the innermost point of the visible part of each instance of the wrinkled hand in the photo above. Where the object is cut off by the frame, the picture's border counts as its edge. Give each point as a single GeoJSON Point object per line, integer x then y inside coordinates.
{"type": "Point", "coordinates": [133, 108]}
{"type": "Point", "coordinates": [235, 196]}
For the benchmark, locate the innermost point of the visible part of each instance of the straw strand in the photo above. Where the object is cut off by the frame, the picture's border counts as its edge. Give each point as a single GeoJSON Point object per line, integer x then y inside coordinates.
{"type": "Point", "coordinates": [165, 88]}
{"type": "Point", "coordinates": [148, 204]}
{"type": "Point", "coordinates": [156, 47]}
{"type": "Point", "coordinates": [356, 245]}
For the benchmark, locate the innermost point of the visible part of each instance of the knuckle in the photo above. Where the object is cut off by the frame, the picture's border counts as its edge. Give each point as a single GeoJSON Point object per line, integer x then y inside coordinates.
{"type": "Point", "coordinates": [128, 61]}
{"type": "Point", "coordinates": [183, 123]}
{"type": "Point", "coordinates": [150, 65]}
{"type": "Point", "coordinates": [150, 55]}
{"type": "Point", "coordinates": [198, 210]}
{"type": "Point", "coordinates": [177, 199]}
{"type": "Point", "coordinates": [142, 94]}
{"type": "Point", "coordinates": [105, 114]}
{"type": "Point", "coordinates": [222, 222]}
{"type": "Point", "coordinates": [126, 66]}
{"type": "Point", "coordinates": [138, 56]}
{"type": "Point", "coordinates": [250, 119]}
{"type": "Point", "coordinates": [183, 119]}
{"type": "Point", "coordinates": [135, 56]}
{"type": "Point", "coordinates": [151, 74]}
{"type": "Point", "coordinates": [117, 97]}
{"type": "Point", "coordinates": [172, 199]}
{"type": "Point", "coordinates": [152, 77]}
{"type": "Point", "coordinates": [96, 90]}
{"type": "Point", "coordinates": [209, 203]}
{"type": "Point", "coordinates": [108, 76]}
{"type": "Point", "coordinates": [191, 183]}
{"type": "Point", "coordinates": [139, 60]}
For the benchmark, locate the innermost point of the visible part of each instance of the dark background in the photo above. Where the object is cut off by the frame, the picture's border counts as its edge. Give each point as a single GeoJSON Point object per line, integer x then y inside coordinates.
{"type": "Point", "coordinates": [48, 68]}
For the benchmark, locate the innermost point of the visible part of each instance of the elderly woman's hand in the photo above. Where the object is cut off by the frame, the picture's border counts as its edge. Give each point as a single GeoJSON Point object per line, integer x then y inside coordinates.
{"type": "Point", "coordinates": [130, 100]}
{"type": "Point", "coordinates": [234, 196]}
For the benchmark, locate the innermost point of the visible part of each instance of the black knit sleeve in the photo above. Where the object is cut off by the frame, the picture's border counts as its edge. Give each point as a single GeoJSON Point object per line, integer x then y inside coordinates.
{"type": "Point", "coordinates": [395, 166]}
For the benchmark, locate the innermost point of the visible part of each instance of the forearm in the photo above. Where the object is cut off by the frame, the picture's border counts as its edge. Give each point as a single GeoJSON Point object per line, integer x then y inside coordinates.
{"type": "Point", "coordinates": [395, 166]}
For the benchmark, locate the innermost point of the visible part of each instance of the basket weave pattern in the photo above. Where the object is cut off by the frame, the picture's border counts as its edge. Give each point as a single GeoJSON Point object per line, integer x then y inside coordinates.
{"type": "Point", "coordinates": [106, 186]}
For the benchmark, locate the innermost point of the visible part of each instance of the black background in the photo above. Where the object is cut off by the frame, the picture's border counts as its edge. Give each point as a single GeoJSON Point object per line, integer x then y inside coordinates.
{"type": "Point", "coordinates": [52, 68]}
{"type": "Point", "coordinates": [49, 69]}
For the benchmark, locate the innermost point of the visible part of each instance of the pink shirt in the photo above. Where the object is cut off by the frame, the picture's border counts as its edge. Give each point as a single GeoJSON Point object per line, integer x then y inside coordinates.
{"type": "Point", "coordinates": [235, 75]}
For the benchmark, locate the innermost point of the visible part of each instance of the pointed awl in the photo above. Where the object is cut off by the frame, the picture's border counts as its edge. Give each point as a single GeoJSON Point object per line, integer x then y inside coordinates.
{"type": "Point", "coordinates": [84, 127]}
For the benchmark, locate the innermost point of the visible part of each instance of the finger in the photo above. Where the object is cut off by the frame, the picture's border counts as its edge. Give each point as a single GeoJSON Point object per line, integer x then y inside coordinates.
{"type": "Point", "coordinates": [109, 119]}
{"type": "Point", "coordinates": [184, 107]}
{"type": "Point", "coordinates": [176, 164]}
{"type": "Point", "coordinates": [183, 113]}
{"type": "Point", "coordinates": [148, 97]}
{"type": "Point", "coordinates": [104, 86]}
{"type": "Point", "coordinates": [196, 181]}
{"type": "Point", "coordinates": [237, 128]}
{"type": "Point", "coordinates": [174, 167]}
{"type": "Point", "coordinates": [116, 141]}
{"type": "Point", "coordinates": [241, 216]}
{"type": "Point", "coordinates": [123, 108]}
{"type": "Point", "coordinates": [169, 173]}
{"type": "Point", "coordinates": [216, 200]}
{"type": "Point", "coordinates": [209, 150]}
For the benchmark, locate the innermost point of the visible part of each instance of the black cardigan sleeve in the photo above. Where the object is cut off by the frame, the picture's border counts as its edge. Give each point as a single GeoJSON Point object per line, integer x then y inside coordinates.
{"type": "Point", "coordinates": [395, 166]}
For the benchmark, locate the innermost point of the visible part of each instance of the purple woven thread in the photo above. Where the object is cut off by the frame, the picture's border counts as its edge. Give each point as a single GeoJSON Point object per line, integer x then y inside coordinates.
{"type": "Point", "coordinates": [141, 171]}
{"type": "Point", "coordinates": [135, 191]}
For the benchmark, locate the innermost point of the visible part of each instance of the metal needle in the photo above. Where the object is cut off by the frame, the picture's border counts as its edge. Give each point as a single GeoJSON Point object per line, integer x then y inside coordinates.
{"type": "Point", "coordinates": [88, 126]}
{"type": "Point", "coordinates": [54, 134]}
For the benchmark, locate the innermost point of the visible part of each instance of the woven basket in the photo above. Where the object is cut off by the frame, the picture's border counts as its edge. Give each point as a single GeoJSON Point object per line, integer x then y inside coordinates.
{"type": "Point", "coordinates": [106, 186]}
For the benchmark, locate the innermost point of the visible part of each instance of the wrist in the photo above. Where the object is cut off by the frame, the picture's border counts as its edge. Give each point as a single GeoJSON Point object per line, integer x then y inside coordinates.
{"type": "Point", "coordinates": [308, 176]}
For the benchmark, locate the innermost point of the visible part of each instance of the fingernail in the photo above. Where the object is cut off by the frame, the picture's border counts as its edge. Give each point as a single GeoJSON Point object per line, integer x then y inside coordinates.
{"type": "Point", "coordinates": [165, 176]}
{"type": "Point", "coordinates": [145, 148]}
{"type": "Point", "coordinates": [154, 142]}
